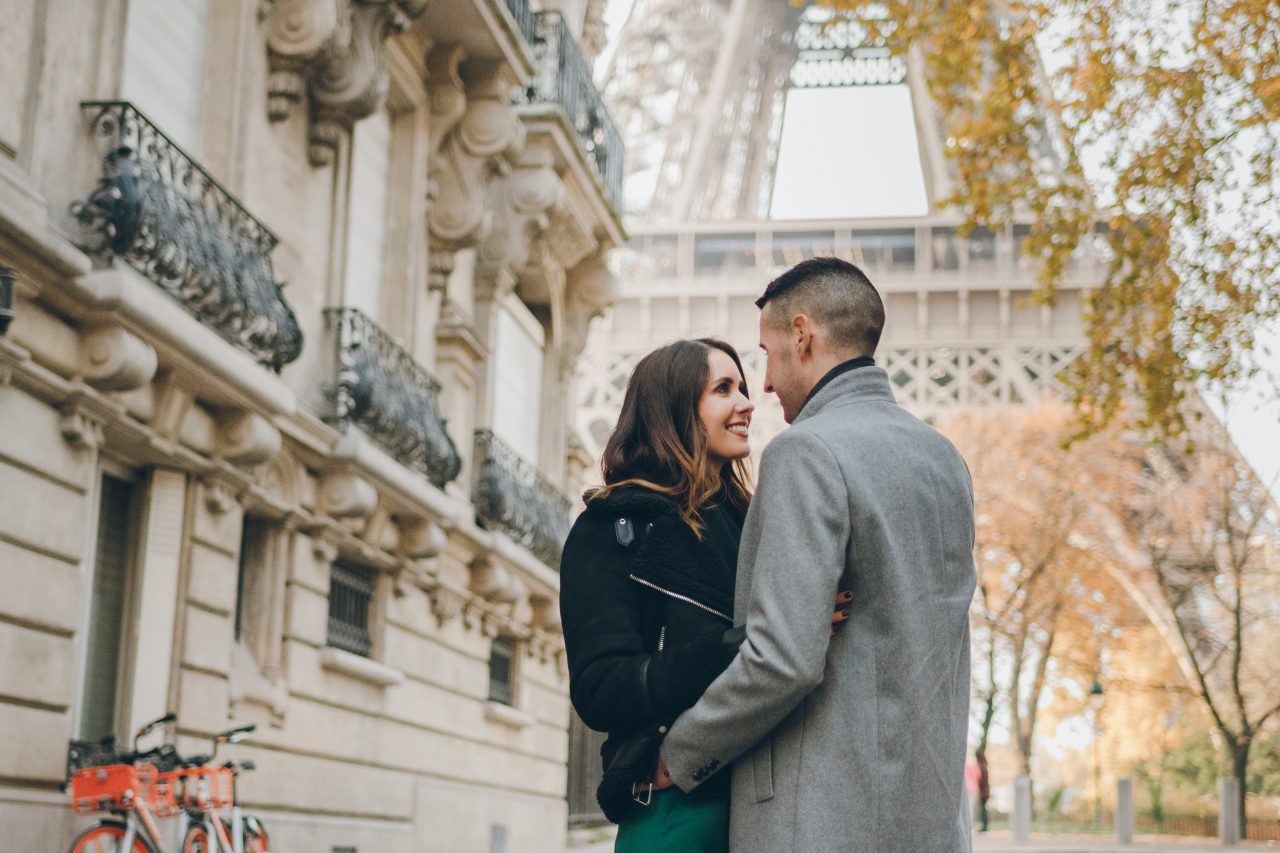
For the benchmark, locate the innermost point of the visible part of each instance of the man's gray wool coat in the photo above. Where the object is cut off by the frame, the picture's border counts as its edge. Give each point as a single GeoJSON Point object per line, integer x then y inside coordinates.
{"type": "Point", "coordinates": [851, 742]}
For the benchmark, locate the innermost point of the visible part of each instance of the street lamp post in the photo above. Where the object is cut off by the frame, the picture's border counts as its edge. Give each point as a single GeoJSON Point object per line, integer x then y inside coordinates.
{"type": "Point", "coordinates": [1095, 699]}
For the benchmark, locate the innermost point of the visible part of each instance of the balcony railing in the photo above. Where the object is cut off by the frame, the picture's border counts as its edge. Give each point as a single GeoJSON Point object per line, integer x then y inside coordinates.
{"type": "Point", "coordinates": [525, 18]}
{"type": "Point", "coordinates": [510, 495]}
{"type": "Point", "coordinates": [164, 215]}
{"type": "Point", "coordinates": [564, 78]}
{"type": "Point", "coordinates": [382, 389]}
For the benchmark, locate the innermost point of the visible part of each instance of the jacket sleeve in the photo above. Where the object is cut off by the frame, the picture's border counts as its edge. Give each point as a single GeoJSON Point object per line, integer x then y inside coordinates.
{"type": "Point", "coordinates": [617, 680]}
{"type": "Point", "coordinates": [799, 520]}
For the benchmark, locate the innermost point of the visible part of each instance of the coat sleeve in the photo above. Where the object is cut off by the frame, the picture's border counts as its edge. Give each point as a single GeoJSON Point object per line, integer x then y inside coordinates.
{"type": "Point", "coordinates": [799, 523]}
{"type": "Point", "coordinates": [617, 680]}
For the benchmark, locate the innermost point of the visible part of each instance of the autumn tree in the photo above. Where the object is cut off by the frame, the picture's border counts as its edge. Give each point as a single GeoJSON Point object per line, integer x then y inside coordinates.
{"type": "Point", "coordinates": [1205, 535]}
{"type": "Point", "coordinates": [1042, 597]}
{"type": "Point", "coordinates": [1175, 106]}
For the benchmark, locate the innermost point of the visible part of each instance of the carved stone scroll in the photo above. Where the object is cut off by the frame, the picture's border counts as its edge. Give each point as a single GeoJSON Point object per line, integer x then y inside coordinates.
{"type": "Point", "coordinates": [332, 54]}
{"type": "Point", "coordinates": [486, 140]}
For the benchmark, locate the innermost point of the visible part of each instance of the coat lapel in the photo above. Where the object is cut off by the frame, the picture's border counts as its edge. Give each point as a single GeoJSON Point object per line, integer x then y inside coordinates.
{"type": "Point", "coordinates": [668, 556]}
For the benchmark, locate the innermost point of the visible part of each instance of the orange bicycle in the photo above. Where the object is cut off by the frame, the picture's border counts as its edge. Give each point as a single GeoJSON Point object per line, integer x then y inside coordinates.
{"type": "Point", "coordinates": [125, 784]}
{"type": "Point", "coordinates": [139, 788]}
{"type": "Point", "coordinates": [204, 790]}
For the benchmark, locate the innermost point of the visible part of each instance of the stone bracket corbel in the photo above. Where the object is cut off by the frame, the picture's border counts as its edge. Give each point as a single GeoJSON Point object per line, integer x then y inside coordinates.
{"type": "Point", "coordinates": [486, 140]}
{"type": "Point", "coordinates": [331, 54]}
{"type": "Point", "coordinates": [246, 438]}
{"type": "Point", "coordinates": [114, 359]}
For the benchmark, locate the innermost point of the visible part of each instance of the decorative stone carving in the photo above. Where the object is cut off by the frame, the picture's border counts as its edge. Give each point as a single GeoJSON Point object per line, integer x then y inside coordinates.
{"type": "Point", "coordinates": [323, 547]}
{"type": "Point", "coordinates": [546, 614]}
{"type": "Point", "coordinates": [446, 604]}
{"type": "Point", "coordinates": [486, 140]}
{"type": "Point", "coordinates": [331, 53]}
{"type": "Point", "coordinates": [219, 498]}
{"type": "Point", "coordinates": [114, 359]}
{"type": "Point", "coordinates": [79, 429]}
{"type": "Point", "coordinates": [246, 438]}
{"type": "Point", "coordinates": [342, 494]}
{"type": "Point", "coordinates": [591, 288]}
{"type": "Point", "coordinates": [445, 90]}
{"type": "Point", "coordinates": [521, 204]}
{"type": "Point", "coordinates": [421, 539]}
{"type": "Point", "coordinates": [494, 582]}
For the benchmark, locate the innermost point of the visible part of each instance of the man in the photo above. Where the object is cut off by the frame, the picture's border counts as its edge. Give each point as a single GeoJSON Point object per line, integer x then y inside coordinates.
{"type": "Point", "coordinates": [853, 741]}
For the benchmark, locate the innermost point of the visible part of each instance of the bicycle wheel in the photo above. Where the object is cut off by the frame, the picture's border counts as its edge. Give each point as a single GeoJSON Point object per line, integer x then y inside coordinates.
{"type": "Point", "coordinates": [198, 841]}
{"type": "Point", "coordinates": [108, 837]}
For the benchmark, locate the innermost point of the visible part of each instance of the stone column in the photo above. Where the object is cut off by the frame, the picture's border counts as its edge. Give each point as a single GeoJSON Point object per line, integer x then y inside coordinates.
{"type": "Point", "coordinates": [1229, 811]}
{"type": "Point", "coordinates": [1124, 810]}
{"type": "Point", "coordinates": [1022, 809]}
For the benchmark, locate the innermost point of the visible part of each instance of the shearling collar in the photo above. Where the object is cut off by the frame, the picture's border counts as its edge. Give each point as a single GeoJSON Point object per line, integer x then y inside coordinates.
{"type": "Point", "coordinates": [668, 556]}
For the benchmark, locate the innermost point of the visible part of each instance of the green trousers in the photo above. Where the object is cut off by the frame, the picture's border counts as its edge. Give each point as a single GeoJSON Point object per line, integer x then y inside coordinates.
{"type": "Point", "coordinates": [678, 823]}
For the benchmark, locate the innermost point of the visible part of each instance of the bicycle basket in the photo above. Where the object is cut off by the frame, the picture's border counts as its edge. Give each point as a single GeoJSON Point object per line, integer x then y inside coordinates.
{"type": "Point", "coordinates": [111, 787]}
{"type": "Point", "coordinates": [90, 753]}
{"type": "Point", "coordinates": [203, 787]}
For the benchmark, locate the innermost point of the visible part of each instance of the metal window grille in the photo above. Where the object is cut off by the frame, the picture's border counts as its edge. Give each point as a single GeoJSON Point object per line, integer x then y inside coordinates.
{"type": "Point", "coordinates": [502, 658]}
{"type": "Point", "coordinates": [350, 594]}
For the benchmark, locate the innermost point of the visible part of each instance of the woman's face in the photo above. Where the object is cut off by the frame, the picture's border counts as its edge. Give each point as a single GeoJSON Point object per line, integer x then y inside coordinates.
{"type": "Point", "coordinates": [725, 410]}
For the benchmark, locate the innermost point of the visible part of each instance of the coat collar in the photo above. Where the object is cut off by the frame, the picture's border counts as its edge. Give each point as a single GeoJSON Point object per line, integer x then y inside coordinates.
{"type": "Point", "coordinates": [668, 556]}
{"type": "Point", "coordinates": [856, 386]}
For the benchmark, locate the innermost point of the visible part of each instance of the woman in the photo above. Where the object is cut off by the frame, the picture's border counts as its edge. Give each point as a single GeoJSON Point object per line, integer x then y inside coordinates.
{"type": "Point", "coordinates": [647, 582]}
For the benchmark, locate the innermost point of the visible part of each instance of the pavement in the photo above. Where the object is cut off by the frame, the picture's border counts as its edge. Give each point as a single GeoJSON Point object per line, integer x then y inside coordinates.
{"type": "Point", "coordinates": [997, 842]}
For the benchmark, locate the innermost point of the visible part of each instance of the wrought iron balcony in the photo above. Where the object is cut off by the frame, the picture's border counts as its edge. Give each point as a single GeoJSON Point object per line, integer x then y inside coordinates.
{"type": "Point", "coordinates": [382, 389]}
{"type": "Point", "coordinates": [512, 496]}
{"type": "Point", "coordinates": [564, 78]}
{"type": "Point", "coordinates": [525, 18]}
{"type": "Point", "coordinates": [164, 215]}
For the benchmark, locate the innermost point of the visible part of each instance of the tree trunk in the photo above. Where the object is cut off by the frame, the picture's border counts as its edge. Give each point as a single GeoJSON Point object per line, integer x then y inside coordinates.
{"type": "Point", "coordinates": [1240, 768]}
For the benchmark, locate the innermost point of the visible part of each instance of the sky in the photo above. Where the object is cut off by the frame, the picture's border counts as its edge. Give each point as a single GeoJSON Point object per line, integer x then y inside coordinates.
{"type": "Point", "coordinates": [866, 131]}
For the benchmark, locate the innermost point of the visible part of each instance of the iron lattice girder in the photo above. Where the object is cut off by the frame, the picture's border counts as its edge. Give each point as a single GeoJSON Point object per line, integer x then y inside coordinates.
{"type": "Point", "coordinates": [380, 387]}
{"type": "Point", "coordinates": [164, 215]}
{"type": "Point", "coordinates": [512, 496]}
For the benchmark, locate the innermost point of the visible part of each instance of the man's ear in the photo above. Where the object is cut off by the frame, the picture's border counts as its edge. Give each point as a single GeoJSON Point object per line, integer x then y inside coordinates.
{"type": "Point", "coordinates": [802, 335]}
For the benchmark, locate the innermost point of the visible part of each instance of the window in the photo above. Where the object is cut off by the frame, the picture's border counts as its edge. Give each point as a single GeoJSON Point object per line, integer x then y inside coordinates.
{"type": "Point", "coordinates": [791, 248]}
{"type": "Point", "coordinates": [884, 250]}
{"type": "Point", "coordinates": [350, 600]}
{"type": "Point", "coordinates": [723, 253]}
{"type": "Point", "coordinates": [946, 249]}
{"type": "Point", "coordinates": [109, 603]}
{"type": "Point", "coordinates": [982, 249]}
{"type": "Point", "coordinates": [502, 664]}
{"type": "Point", "coordinates": [366, 223]}
{"type": "Point", "coordinates": [517, 387]}
{"type": "Point", "coordinates": [164, 50]}
{"type": "Point", "coordinates": [253, 594]}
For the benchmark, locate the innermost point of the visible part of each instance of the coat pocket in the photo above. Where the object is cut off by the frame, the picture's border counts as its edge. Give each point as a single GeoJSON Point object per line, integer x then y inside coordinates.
{"type": "Point", "coordinates": [762, 770]}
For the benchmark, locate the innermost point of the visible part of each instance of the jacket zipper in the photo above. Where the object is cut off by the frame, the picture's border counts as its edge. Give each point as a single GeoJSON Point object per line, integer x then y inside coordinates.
{"type": "Point", "coordinates": [686, 599]}
{"type": "Point", "coordinates": [662, 637]}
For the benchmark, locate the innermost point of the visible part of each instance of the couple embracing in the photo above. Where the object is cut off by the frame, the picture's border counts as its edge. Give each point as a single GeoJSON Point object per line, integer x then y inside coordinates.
{"type": "Point", "coordinates": [789, 670]}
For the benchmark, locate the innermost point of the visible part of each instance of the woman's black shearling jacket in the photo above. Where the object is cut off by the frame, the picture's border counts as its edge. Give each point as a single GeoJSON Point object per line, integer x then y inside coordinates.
{"type": "Point", "coordinates": [644, 623]}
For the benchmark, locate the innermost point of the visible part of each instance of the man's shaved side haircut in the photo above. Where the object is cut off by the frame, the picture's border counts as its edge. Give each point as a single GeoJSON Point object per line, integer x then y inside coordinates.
{"type": "Point", "coordinates": [836, 295]}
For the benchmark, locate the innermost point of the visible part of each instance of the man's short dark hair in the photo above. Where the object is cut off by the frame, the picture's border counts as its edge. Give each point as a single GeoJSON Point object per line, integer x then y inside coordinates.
{"type": "Point", "coordinates": [836, 295]}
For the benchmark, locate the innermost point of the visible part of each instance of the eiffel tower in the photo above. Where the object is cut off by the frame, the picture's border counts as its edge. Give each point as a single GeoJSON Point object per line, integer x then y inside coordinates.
{"type": "Point", "coordinates": [726, 189]}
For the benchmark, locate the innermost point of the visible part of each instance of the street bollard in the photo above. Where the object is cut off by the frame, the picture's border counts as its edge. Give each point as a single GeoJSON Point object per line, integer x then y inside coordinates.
{"type": "Point", "coordinates": [1124, 810]}
{"type": "Point", "coordinates": [1228, 811]}
{"type": "Point", "coordinates": [1022, 809]}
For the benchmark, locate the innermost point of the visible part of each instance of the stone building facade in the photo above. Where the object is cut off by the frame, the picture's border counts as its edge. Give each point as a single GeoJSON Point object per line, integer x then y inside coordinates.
{"type": "Point", "coordinates": [301, 288]}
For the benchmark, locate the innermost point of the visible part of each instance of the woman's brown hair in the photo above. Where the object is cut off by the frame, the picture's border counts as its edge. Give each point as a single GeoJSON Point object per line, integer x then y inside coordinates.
{"type": "Point", "coordinates": [660, 442]}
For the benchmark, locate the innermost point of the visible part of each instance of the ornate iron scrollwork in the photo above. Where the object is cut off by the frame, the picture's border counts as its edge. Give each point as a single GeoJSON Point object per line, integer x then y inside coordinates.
{"type": "Point", "coordinates": [165, 216]}
{"type": "Point", "coordinates": [512, 496]}
{"type": "Point", "coordinates": [564, 78]}
{"type": "Point", "coordinates": [382, 389]}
